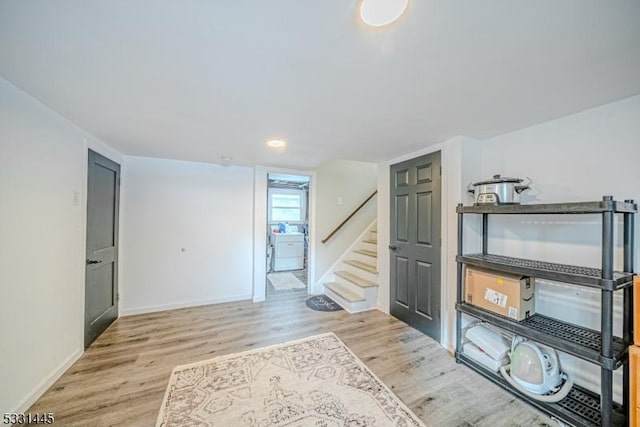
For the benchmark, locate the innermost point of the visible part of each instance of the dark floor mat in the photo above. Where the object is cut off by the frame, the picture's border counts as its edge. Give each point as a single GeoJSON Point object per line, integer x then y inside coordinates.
{"type": "Point", "coordinates": [323, 303]}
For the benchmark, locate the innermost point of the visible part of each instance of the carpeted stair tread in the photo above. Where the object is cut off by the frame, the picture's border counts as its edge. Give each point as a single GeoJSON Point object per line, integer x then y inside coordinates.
{"type": "Point", "coordinates": [343, 292]}
{"type": "Point", "coordinates": [362, 265]}
{"type": "Point", "coordinates": [366, 252]}
{"type": "Point", "coordinates": [355, 279]}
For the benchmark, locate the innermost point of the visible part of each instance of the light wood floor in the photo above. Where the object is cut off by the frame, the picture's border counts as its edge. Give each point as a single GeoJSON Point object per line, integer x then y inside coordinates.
{"type": "Point", "coordinates": [121, 379]}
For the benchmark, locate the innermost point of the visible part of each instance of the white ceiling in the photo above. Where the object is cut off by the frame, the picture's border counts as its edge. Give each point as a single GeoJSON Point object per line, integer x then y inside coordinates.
{"type": "Point", "coordinates": [196, 80]}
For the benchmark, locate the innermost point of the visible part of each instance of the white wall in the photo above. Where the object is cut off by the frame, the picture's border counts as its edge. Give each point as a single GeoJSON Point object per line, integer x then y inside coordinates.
{"type": "Point", "coordinates": [187, 234]}
{"type": "Point", "coordinates": [341, 186]}
{"type": "Point", "coordinates": [42, 251]}
{"type": "Point", "coordinates": [581, 157]}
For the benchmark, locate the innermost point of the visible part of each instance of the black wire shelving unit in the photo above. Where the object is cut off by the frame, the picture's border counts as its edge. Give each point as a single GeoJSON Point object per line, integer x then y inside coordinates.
{"type": "Point", "coordinates": [581, 407]}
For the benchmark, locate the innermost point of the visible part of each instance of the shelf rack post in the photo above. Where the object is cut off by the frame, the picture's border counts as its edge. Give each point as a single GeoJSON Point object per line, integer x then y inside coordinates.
{"type": "Point", "coordinates": [485, 233]}
{"type": "Point", "coordinates": [627, 320]}
{"type": "Point", "coordinates": [606, 375]}
{"type": "Point", "coordinates": [459, 287]}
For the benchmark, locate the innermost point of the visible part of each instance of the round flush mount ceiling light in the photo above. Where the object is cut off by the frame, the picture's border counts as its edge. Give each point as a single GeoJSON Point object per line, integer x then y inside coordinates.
{"type": "Point", "coordinates": [276, 144]}
{"type": "Point", "coordinates": [379, 13]}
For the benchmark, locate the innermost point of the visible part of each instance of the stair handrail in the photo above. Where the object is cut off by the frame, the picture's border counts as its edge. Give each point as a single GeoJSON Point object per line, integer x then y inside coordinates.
{"type": "Point", "coordinates": [326, 239]}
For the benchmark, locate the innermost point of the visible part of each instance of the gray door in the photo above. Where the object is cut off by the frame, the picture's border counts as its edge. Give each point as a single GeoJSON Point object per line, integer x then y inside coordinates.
{"type": "Point", "coordinates": [101, 286]}
{"type": "Point", "coordinates": [415, 243]}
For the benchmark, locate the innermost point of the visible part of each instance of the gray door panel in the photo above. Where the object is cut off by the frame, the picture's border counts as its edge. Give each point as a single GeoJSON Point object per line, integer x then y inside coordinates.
{"type": "Point", "coordinates": [401, 281]}
{"type": "Point", "coordinates": [424, 289]}
{"type": "Point", "coordinates": [101, 283]}
{"type": "Point", "coordinates": [415, 243]}
{"type": "Point", "coordinates": [425, 227]}
{"type": "Point", "coordinates": [402, 218]}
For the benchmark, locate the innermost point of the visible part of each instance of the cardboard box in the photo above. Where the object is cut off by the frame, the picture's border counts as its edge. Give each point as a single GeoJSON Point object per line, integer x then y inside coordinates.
{"type": "Point", "coordinates": [634, 383]}
{"type": "Point", "coordinates": [636, 308]}
{"type": "Point", "coordinates": [505, 294]}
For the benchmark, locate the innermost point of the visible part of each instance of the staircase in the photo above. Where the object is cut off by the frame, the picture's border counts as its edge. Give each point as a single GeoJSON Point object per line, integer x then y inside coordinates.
{"type": "Point", "coordinates": [354, 283]}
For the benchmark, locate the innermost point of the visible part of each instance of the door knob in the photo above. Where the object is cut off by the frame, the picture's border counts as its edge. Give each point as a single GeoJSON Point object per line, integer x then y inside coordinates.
{"type": "Point", "coordinates": [93, 261]}
{"type": "Point", "coordinates": [393, 247]}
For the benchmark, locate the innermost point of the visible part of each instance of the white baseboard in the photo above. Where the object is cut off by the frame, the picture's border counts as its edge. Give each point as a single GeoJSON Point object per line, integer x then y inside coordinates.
{"type": "Point", "coordinates": [184, 304]}
{"type": "Point", "coordinates": [385, 310]}
{"type": "Point", "coordinates": [48, 382]}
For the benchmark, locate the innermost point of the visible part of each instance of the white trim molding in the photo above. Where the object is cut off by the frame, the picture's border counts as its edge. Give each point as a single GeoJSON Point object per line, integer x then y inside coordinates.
{"type": "Point", "coordinates": [260, 227]}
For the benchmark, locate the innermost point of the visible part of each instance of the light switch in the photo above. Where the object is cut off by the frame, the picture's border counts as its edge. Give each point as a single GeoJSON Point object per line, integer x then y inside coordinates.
{"type": "Point", "coordinates": [339, 201]}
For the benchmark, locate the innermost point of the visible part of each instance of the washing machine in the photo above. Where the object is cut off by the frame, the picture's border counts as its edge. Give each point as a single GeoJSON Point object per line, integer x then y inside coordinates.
{"type": "Point", "coordinates": [288, 251]}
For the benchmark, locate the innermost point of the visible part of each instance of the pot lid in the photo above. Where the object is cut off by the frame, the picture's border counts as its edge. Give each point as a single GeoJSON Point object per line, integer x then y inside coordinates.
{"type": "Point", "coordinates": [497, 179]}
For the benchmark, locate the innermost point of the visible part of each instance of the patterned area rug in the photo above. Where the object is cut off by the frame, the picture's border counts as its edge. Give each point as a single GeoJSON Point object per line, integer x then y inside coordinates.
{"type": "Point", "coordinates": [316, 381]}
{"type": "Point", "coordinates": [322, 303]}
{"type": "Point", "coordinates": [283, 281]}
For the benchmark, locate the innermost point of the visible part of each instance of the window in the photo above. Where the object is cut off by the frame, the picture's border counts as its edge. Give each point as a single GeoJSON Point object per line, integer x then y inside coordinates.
{"type": "Point", "coordinates": [286, 206]}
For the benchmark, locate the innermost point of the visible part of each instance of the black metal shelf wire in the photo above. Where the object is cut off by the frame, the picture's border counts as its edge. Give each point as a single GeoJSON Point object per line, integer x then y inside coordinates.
{"type": "Point", "coordinates": [581, 342]}
{"type": "Point", "coordinates": [580, 408]}
{"type": "Point", "coordinates": [575, 208]}
{"type": "Point", "coordinates": [585, 276]}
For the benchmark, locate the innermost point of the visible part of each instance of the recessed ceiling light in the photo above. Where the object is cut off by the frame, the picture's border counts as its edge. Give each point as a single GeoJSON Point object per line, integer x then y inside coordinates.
{"type": "Point", "coordinates": [379, 13]}
{"type": "Point", "coordinates": [277, 144]}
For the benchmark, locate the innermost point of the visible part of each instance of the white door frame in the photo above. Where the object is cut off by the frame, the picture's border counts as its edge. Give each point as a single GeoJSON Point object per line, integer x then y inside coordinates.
{"type": "Point", "coordinates": [459, 167]}
{"type": "Point", "coordinates": [260, 229]}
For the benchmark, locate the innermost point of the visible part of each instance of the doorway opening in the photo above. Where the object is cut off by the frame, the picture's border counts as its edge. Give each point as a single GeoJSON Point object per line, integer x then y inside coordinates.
{"type": "Point", "coordinates": [287, 252]}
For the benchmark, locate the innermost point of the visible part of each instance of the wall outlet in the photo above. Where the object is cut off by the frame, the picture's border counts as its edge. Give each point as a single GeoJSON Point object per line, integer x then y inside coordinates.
{"type": "Point", "coordinates": [339, 201]}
